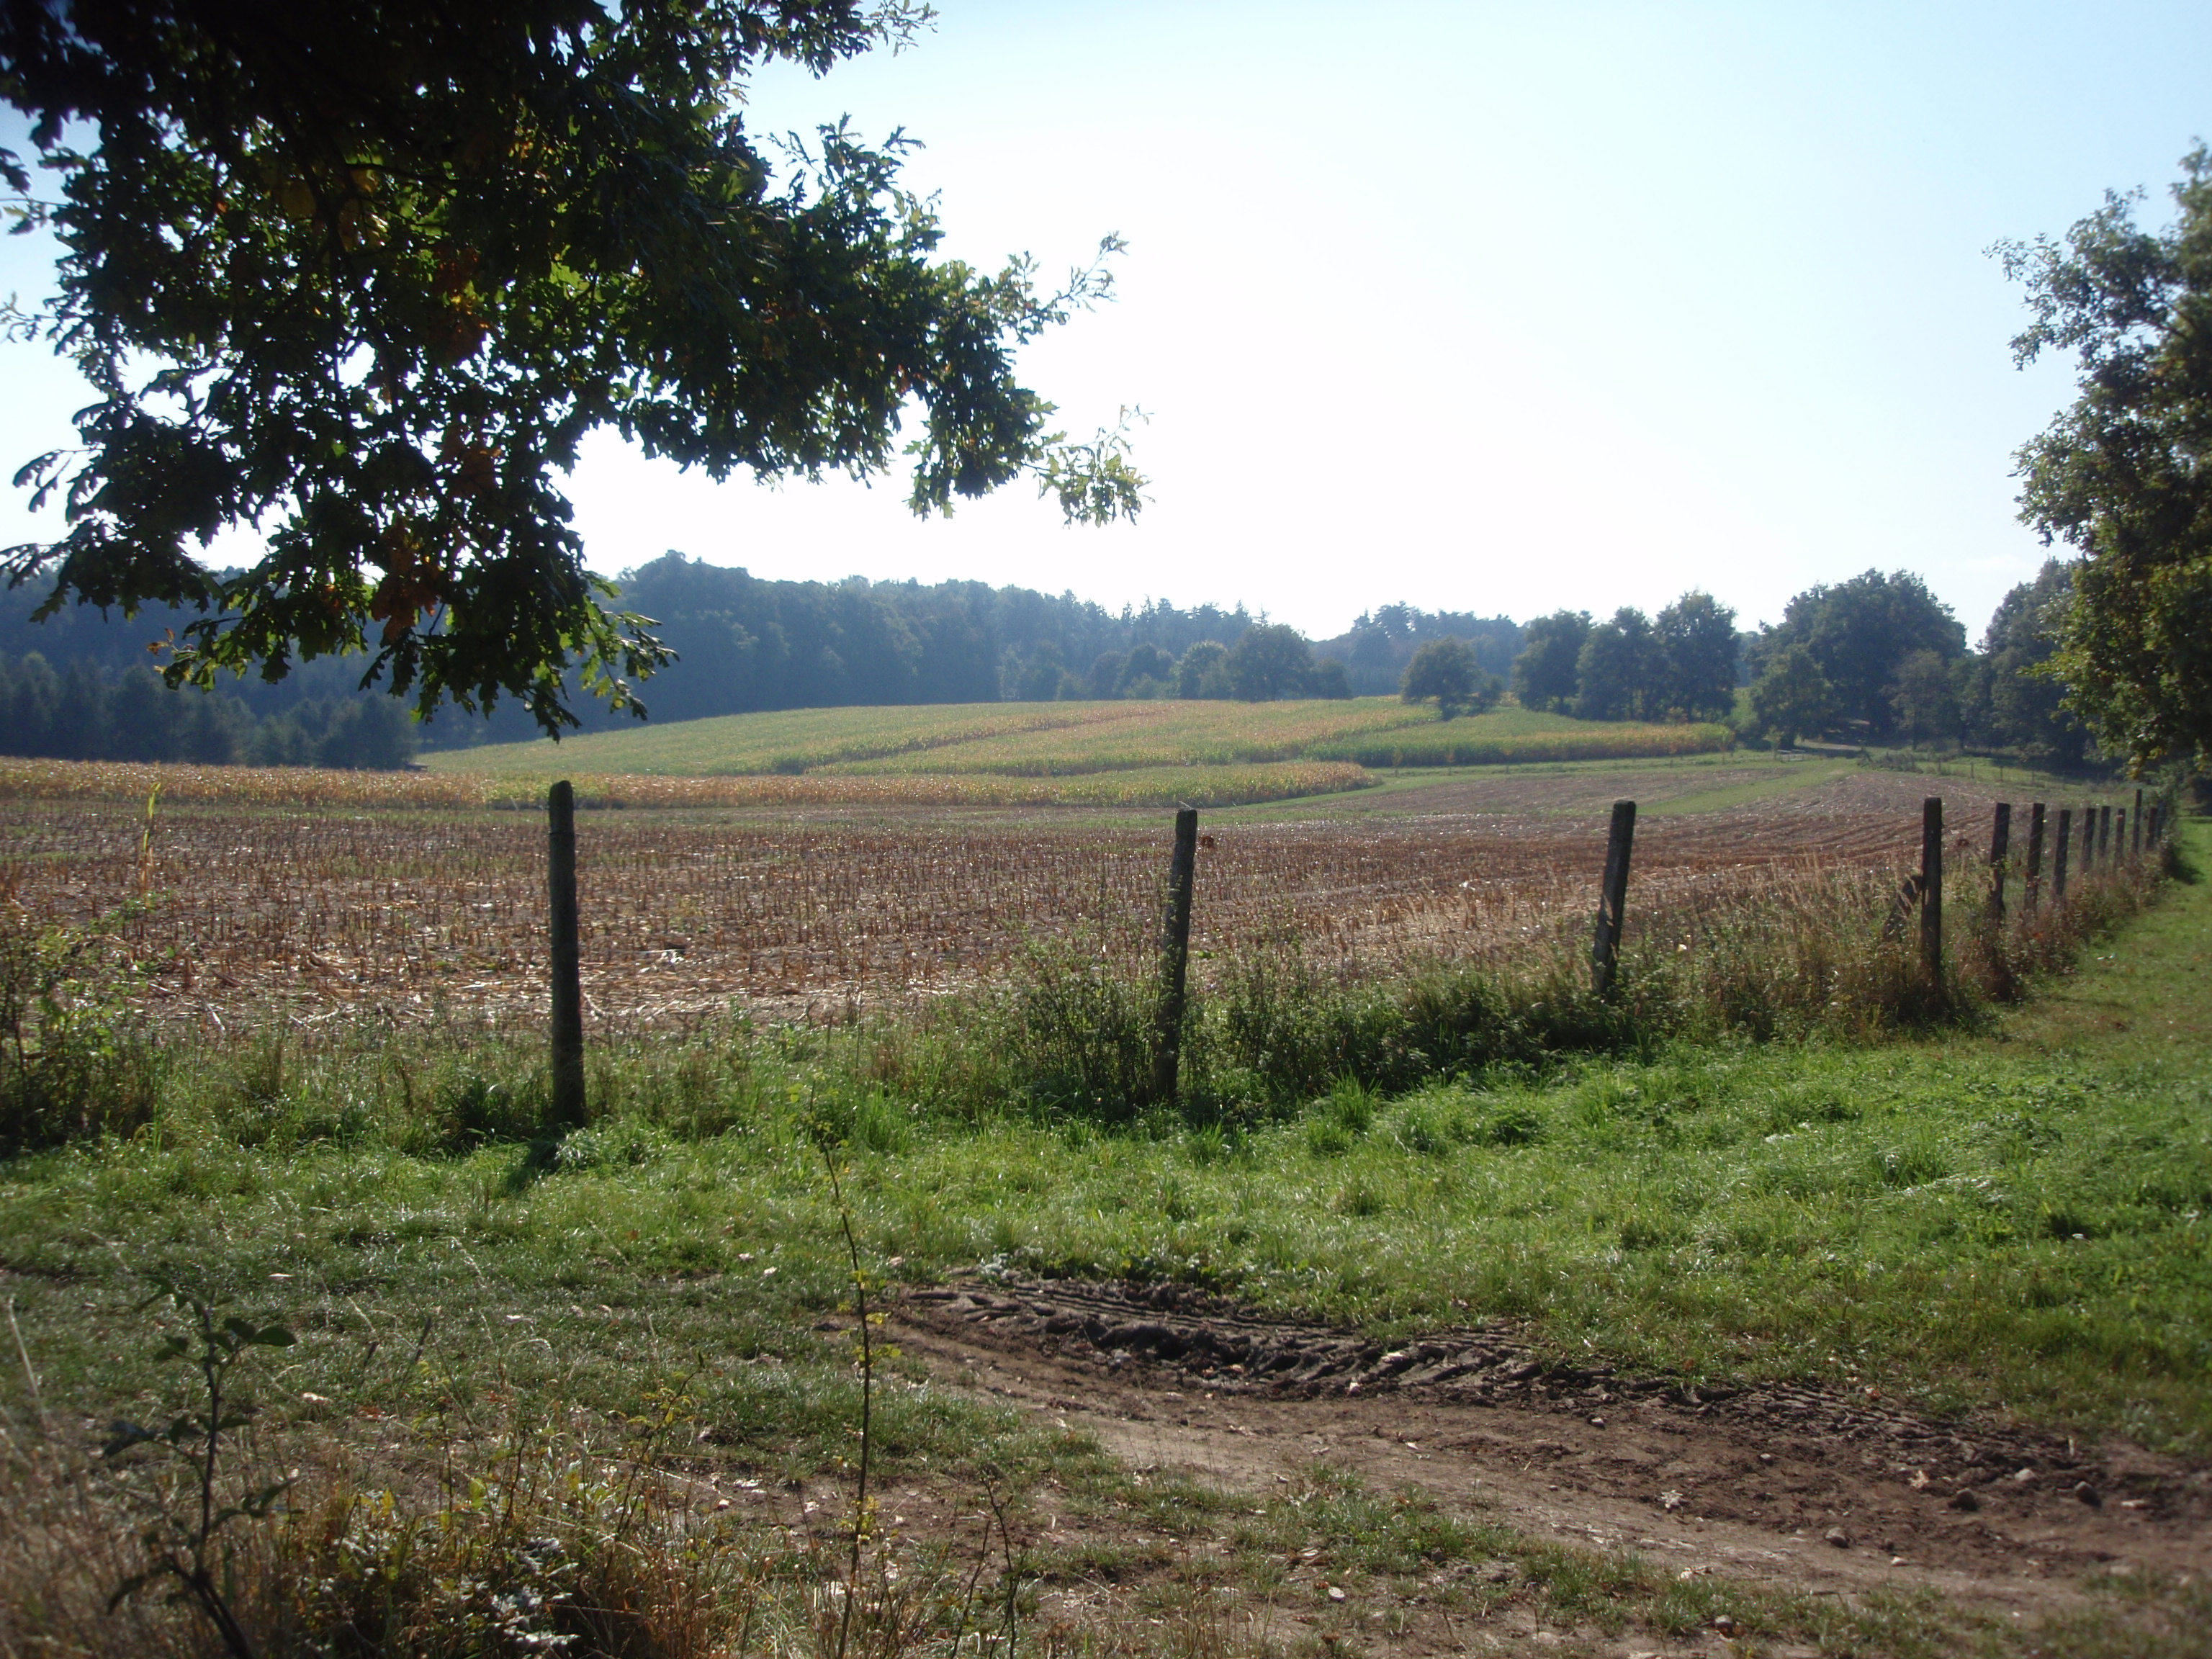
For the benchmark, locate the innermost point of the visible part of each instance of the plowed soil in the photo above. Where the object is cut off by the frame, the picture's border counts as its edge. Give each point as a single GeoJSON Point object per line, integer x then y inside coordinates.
{"type": "Point", "coordinates": [1791, 1486]}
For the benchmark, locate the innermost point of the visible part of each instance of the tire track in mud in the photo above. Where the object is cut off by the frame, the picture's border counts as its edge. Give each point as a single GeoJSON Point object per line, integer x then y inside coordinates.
{"type": "Point", "coordinates": [1814, 1488]}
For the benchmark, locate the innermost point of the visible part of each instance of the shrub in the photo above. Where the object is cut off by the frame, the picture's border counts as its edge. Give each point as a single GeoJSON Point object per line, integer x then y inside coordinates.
{"type": "Point", "coordinates": [1077, 1036]}
{"type": "Point", "coordinates": [74, 1065]}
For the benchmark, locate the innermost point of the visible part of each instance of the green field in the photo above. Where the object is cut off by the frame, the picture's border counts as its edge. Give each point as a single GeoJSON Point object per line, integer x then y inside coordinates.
{"type": "Point", "coordinates": [1080, 739]}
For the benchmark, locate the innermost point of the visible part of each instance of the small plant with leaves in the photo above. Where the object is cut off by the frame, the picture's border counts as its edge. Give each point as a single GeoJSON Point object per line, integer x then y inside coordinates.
{"type": "Point", "coordinates": [184, 1549]}
{"type": "Point", "coordinates": [866, 1320]}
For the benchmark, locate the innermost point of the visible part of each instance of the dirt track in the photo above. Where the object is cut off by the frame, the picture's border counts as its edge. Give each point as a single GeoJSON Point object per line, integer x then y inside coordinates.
{"type": "Point", "coordinates": [1790, 1486]}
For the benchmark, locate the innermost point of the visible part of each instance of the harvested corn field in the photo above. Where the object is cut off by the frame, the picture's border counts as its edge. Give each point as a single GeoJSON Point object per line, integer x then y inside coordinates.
{"type": "Point", "coordinates": [325, 908]}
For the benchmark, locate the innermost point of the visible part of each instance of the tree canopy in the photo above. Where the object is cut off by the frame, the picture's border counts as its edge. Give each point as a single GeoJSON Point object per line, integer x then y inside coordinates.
{"type": "Point", "coordinates": [1859, 633]}
{"type": "Point", "coordinates": [2124, 476]}
{"type": "Point", "coordinates": [1792, 697]}
{"type": "Point", "coordinates": [1698, 648]}
{"type": "Point", "coordinates": [1544, 674]}
{"type": "Point", "coordinates": [1618, 671]}
{"type": "Point", "coordinates": [365, 275]}
{"type": "Point", "coordinates": [2008, 698]}
{"type": "Point", "coordinates": [1271, 660]}
{"type": "Point", "coordinates": [1377, 647]}
{"type": "Point", "coordinates": [1447, 671]}
{"type": "Point", "coordinates": [1681, 667]}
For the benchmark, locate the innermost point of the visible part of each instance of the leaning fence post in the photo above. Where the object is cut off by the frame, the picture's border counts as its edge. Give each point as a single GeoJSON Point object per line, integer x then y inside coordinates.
{"type": "Point", "coordinates": [1931, 888]}
{"type": "Point", "coordinates": [2033, 884]}
{"type": "Point", "coordinates": [2137, 821]}
{"type": "Point", "coordinates": [1175, 956]}
{"type": "Point", "coordinates": [2088, 838]}
{"type": "Point", "coordinates": [2103, 835]}
{"type": "Point", "coordinates": [2059, 850]}
{"type": "Point", "coordinates": [567, 957]}
{"type": "Point", "coordinates": [1612, 898]}
{"type": "Point", "coordinates": [2000, 846]}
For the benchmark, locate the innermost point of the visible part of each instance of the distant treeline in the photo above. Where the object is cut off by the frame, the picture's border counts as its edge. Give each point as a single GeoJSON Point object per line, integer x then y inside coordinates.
{"type": "Point", "coordinates": [1877, 658]}
{"type": "Point", "coordinates": [744, 643]}
{"type": "Point", "coordinates": [88, 712]}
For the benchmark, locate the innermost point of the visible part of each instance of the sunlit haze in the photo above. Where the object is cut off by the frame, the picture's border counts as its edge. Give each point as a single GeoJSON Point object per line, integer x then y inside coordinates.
{"type": "Point", "coordinates": [1483, 308]}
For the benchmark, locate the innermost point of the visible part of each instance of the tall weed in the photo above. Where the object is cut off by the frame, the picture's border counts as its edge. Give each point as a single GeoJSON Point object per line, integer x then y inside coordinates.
{"type": "Point", "coordinates": [74, 1063]}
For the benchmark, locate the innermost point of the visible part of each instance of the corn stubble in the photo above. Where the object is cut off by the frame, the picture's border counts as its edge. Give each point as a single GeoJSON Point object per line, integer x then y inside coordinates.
{"type": "Point", "coordinates": [364, 904]}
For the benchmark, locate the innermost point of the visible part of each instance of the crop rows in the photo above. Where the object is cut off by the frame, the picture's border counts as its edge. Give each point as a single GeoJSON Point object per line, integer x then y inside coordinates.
{"type": "Point", "coordinates": [791, 740]}
{"type": "Point", "coordinates": [406, 913]}
{"type": "Point", "coordinates": [295, 787]}
{"type": "Point", "coordinates": [1061, 739]}
{"type": "Point", "coordinates": [1436, 745]}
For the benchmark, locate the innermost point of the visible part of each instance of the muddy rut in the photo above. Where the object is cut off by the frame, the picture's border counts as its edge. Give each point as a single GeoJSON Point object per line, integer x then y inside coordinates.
{"type": "Point", "coordinates": [1818, 1491]}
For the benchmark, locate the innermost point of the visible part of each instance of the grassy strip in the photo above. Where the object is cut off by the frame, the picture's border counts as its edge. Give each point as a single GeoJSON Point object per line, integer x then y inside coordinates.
{"type": "Point", "coordinates": [1785, 777]}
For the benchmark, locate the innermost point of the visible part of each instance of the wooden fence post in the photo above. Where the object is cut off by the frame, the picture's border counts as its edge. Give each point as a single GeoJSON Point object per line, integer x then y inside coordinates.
{"type": "Point", "coordinates": [2137, 821]}
{"type": "Point", "coordinates": [1175, 956]}
{"type": "Point", "coordinates": [1931, 888]}
{"type": "Point", "coordinates": [566, 955]}
{"type": "Point", "coordinates": [2103, 835]}
{"type": "Point", "coordinates": [2000, 847]}
{"type": "Point", "coordinates": [2032, 885]}
{"type": "Point", "coordinates": [1613, 899]}
{"type": "Point", "coordinates": [2088, 838]}
{"type": "Point", "coordinates": [2059, 850]}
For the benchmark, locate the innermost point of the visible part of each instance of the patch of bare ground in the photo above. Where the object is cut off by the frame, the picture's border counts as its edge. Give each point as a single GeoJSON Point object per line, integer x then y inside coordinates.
{"type": "Point", "coordinates": [1571, 789]}
{"type": "Point", "coordinates": [1781, 1487]}
{"type": "Point", "coordinates": [1776, 793]}
{"type": "Point", "coordinates": [1872, 790]}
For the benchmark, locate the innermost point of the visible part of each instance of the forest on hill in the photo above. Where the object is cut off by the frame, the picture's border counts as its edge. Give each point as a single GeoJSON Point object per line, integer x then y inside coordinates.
{"type": "Point", "coordinates": [82, 686]}
{"type": "Point", "coordinates": [1875, 657]}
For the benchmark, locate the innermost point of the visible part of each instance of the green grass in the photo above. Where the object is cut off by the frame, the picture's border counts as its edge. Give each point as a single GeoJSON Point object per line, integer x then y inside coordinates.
{"type": "Point", "coordinates": [1064, 739]}
{"type": "Point", "coordinates": [1780, 779]}
{"type": "Point", "coordinates": [1573, 787]}
{"type": "Point", "coordinates": [1975, 1229]}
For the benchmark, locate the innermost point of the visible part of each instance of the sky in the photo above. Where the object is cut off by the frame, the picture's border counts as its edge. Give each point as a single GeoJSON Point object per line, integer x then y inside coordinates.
{"type": "Point", "coordinates": [1488, 307]}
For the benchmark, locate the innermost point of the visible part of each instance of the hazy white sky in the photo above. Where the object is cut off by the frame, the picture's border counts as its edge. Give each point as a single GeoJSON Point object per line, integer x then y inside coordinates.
{"type": "Point", "coordinates": [1482, 307]}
